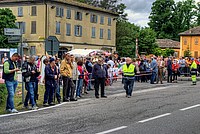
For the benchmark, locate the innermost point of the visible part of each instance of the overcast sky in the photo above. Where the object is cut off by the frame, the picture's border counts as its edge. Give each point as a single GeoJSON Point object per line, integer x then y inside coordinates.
{"type": "Point", "coordinates": [139, 10]}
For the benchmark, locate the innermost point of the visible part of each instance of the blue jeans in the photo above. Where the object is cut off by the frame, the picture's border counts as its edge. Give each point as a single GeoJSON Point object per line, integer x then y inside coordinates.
{"type": "Point", "coordinates": [79, 87]}
{"type": "Point", "coordinates": [153, 76]}
{"type": "Point", "coordinates": [90, 82]}
{"type": "Point", "coordinates": [48, 95]}
{"type": "Point", "coordinates": [128, 85]}
{"type": "Point", "coordinates": [30, 87]}
{"type": "Point", "coordinates": [11, 88]}
{"type": "Point", "coordinates": [58, 92]}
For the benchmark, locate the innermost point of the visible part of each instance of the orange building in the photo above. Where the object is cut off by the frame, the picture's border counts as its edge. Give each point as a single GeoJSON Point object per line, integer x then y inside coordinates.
{"type": "Point", "coordinates": [189, 40]}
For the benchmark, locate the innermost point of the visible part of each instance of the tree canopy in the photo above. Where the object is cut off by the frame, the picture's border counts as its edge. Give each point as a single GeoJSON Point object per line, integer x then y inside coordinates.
{"type": "Point", "coordinates": [168, 18]}
{"type": "Point", "coordinates": [7, 20]}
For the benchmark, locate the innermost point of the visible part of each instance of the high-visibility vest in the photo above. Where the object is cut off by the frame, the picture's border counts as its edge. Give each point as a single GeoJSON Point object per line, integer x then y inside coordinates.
{"type": "Point", "coordinates": [194, 65]}
{"type": "Point", "coordinates": [128, 71]}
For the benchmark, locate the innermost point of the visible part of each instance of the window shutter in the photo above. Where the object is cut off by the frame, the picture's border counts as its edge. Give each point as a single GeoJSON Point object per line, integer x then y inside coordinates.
{"type": "Point", "coordinates": [61, 12]}
{"type": "Point", "coordinates": [96, 19]}
{"type": "Point", "coordinates": [68, 14]}
{"type": "Point", "coordinates": [57, 11]}
{"type": "Point", "coordinates": [68, 29]}
{"type": "Point", "coordinates": [75, 30]}
{"type": "Point", "coordinates": [81, 31]}
{"type": "Point", "coordinates": [76, 15]}
{"type": "Point", "coordinates": [23, 27]}
{"type": "Point", "coordinates": [33, 27]}
{"type": "Point", "coordinates": [91, 18]}
{"type": "Point", "coordinates": [33, 10]}
{"type": "Point", "coordinates": [80, 16]}
{"type": "Point", "coordinates": [20, 11]}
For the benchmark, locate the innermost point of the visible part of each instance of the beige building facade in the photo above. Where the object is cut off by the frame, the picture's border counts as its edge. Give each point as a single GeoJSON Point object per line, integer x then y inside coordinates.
{"type": "Point", "coordinates": [75, 25]}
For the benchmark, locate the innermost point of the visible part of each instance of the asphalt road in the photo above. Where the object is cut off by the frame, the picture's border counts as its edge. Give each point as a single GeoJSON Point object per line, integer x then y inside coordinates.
{"type": "Point", "coordinates": [153, 109]}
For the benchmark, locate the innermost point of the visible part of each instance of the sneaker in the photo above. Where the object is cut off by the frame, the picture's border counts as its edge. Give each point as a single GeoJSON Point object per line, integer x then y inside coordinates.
{"type": "Point", "coordinates": [14, 111]}
{"type": "Point", "coordinates": [73, 99]}
{"type": "Point", "coordinates": [8, 110]}
{"type": "Point", "coordinates": [27, 107]}
{"type": "Point", "coordinates": [45, 105]}
{"type": "Point", "coordinates": [78, 97]}
{"type": "Point", "coordinates": [128, 96]}
{"type": "Point", "coordinates": [103, 96]}
{"type": "Point", "coordinates": [35, 108]}
{"type": "Point", "coordinates": [52, 104]}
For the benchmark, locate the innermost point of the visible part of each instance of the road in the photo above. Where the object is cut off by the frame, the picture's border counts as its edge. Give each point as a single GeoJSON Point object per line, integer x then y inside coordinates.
{"type": "Point", "coordinates": [153, 109]}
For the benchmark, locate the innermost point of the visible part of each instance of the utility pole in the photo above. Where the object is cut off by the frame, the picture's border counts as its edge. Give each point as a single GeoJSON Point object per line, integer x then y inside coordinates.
{"type": "Point", "coordinates": [136, 48]}
{"type": "Point", "coordinates": [22, 59]}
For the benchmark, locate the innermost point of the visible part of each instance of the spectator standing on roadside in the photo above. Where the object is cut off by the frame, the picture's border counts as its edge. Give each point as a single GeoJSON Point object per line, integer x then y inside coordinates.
{"type": "Point", "coordinates": [175, 70]}
{"type": "Point", "coordinates": [66, 69]}
{"type": "Point", "coordinates": [169, 70]}
{"type": "Point", "coordinates": [88, 66]}
{"type": "Point", "coordinates": [30, 72]}
{"type": "Point", "coordinates": [100, 74]}
{"type": "Point", "coordinates": [161, 65]}
{"type": "Point", "coordinates": [154, 69]}
{"type": "Point", "coordinates": [10, 70]}
{"type": "Point", "coordinates": [51, 77]}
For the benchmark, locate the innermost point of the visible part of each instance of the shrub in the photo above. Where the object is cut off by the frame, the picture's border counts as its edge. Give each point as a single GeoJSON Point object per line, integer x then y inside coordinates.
{"type": "Point", "coordinates": [3, 93]}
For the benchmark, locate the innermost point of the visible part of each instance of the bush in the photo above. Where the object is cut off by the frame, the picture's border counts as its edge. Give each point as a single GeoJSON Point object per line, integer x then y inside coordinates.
{"type": "Point", "coordinates": [3, 93]}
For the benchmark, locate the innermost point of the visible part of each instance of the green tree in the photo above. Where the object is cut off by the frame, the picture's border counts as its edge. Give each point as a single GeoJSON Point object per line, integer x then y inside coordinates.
{"type": "Point", "coordinates": [168, 52]}
{"type": "Point", "coordinates": [160, 18]}
{"type": "Point", "coordinates": [147, 39]}
{"type": "Point", "coordinates": [158, 51]}
{"type": "Point", "coordinates": [7, 20]}
{"type": "Point", "coordinates": [169, 19]}
{"type": "Point", "coordinates": [126, 35]}
{"type": "Point", "coordinates": [198, 14]}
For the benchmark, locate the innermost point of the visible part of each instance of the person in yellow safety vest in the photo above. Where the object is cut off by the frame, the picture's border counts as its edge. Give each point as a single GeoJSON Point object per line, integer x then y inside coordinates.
{"type": "Point", "coordinates": [129, 72]}
{"type": "Point", "coordinates": [193, 69]}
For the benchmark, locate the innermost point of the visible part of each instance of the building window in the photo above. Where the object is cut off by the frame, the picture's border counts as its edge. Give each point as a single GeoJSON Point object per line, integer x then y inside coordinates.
{"type": "Point", "coordinates": [22, 27]}
{"type": "Point", "coordinates": [33, 11]}
{"type": "Point", "coordinates": [68, 29]}
{"type": "Point", "coordinates": [196, 41]}
{"type": "Point", "coordinates": [33, 50]}
{"type": "Point", "coordinates": [109, 21]}
{"type": "Point", "coordinates": [185, 41]}
{"type": "Point", "coordinates": [57, 27]}
{"type": "Point", "coordinates": [78, 30]}
{"type": "Point", "coordinates": [102, 20]}
{"type": "Point", "coordinates": [101, 33]}
{"type": "Point", "coordinates": [20, 11]}
{"type": "Point", "coordinates": [93, 32]}
{"type": "Point", "coordinates": [78, 15]}
{"type": "Point", "coordinates": [59, 12]}
{"type": "Point", "coordinates": [93, 18]}
{"type": "Point", "coordinates": [109, 34]}
{"type": "Point", "coordinates": [33, 27]}
{"type": "Point", "coordinates": [196, 54]}
{"type": "Point", "coordinates": [68, 14]}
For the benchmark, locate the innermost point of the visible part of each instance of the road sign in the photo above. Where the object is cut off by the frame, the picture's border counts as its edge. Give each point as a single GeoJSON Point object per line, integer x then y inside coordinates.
{"type": "Point", "coordinates": [14, 39]}
{"type": "Point", "coordinates": [12, 31]}
{"type": "Point", "coordinates": [52, 45]}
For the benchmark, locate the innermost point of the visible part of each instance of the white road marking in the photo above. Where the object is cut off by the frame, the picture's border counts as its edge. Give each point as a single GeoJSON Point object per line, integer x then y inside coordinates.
{"type": "Point", "coordinates": [190, 107]}
{"type": "Point", "coordinates": [153, 118]}
{"type": "Point", "coordinates": [143, 91]}
{"type": "Point", "coordinates": [112, 130]}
